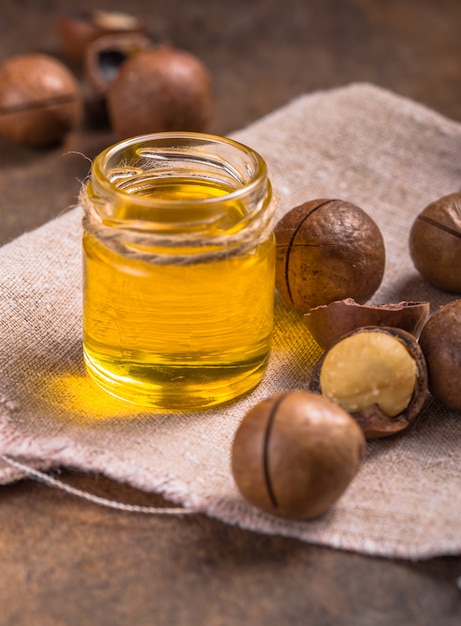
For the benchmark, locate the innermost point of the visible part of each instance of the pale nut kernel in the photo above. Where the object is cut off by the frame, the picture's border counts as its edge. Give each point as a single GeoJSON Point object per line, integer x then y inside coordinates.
{"type": "Point", "coordinates": [370, 376]}
{"type": "Point", "coordinates": [385, 373]}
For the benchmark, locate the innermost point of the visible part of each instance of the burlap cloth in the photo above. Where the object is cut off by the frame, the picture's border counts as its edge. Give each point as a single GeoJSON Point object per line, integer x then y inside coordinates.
{"type": "Point", "coordinates": [383, 152]}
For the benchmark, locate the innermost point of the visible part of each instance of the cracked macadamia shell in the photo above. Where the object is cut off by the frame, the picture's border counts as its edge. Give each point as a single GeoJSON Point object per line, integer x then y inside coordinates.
{"type": "Point", "coordinates": [441, 344]}
{"type": "Point", "coordinates": [104, 57]}
{"type": "Point", "coordinates": [377, 374]}
{"type": "Point", "coordinates": [329, 322]}
{"type": "Point", "coordinates": [295, 454]}
{"type": "Point", "coordinates": [328, 250]}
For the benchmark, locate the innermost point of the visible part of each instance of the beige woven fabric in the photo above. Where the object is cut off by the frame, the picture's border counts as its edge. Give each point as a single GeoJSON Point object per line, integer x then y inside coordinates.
{"type": "Point", "coordinates": [383, 152]}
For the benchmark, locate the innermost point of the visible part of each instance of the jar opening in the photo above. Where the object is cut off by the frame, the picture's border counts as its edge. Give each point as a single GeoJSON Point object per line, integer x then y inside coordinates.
{"type": "Point", "coordinates": [168, 179]}
{"type": "Point", "coordinates": [179, 198]}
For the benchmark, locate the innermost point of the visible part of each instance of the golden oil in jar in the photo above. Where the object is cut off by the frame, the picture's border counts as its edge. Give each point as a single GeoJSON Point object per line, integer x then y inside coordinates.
{"type": "Point", "coordinates": [178, 270]}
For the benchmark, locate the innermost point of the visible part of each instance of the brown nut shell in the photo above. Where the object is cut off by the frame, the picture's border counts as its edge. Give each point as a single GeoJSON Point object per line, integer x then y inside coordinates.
{"type": "Point", "coordinates": [295, 454]}
{"type": "Point", "coordinates": [40, 100]}
{"type": "Point", "coordinates": [157, 90]}
{"type": "Point", "coordinates": [329, 322]}
{"type": "Point", "coordinates": [373, 420]}
{"type": "Point", "coordinates": [441, 344]}
{"type": "Point", "coordinates": [328, 250]}
{"type": "Point", "coordinates": [435, 243]}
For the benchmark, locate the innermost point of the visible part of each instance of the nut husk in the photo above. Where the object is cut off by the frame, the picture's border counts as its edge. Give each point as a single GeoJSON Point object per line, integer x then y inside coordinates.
{"type": "Point", "coordinates": [328, 250]}
{"type": "Point", "coordinates": [441, 344]}
{"type": "Point", "coordinates": [295, 454]}
{"type": "Point", "coordinates": [40, 100]}
{"type": "Point", "coordinates": [328, 323]}
{"type": "Point", "coordinates": [435, 243]}
{"type": "Point", "coordinates": [373, 420]}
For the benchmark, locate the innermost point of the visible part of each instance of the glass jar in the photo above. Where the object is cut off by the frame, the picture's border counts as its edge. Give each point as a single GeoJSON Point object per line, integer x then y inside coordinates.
{"type": "Point", "coordinates": [178, 270]}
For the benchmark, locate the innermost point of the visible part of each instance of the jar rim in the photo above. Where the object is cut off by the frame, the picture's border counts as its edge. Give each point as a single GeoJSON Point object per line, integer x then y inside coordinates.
{"type": "Point", "coordinates": [259, 175]}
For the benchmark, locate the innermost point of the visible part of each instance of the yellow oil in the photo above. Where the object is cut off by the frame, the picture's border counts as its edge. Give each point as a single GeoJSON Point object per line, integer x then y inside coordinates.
{"type": "Point", "coordinates": [178, 336]}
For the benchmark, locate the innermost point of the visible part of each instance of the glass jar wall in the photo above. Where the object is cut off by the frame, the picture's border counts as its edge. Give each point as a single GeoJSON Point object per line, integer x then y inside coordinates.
{"type": "Point", "coordinates": [178, 272]}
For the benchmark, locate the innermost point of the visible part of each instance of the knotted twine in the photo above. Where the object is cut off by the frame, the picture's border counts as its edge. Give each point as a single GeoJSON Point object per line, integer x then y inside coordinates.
{"type": "Point", "coordinates": [383, 152]}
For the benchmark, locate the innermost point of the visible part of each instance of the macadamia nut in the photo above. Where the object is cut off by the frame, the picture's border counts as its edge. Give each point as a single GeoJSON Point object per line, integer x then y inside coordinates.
{"type": "Point", "coordinates": [435, 243]}
{"type": "Point", "coordinates": [327, 250]}
{"type": "Point", "coordinates": [376, 373]}
{"type": "Point", "coordinates": [295, 454]}
{"type": "Point", "coordinates": [40, 100]}
{"type": "Point", "coordinates": [441, 345]}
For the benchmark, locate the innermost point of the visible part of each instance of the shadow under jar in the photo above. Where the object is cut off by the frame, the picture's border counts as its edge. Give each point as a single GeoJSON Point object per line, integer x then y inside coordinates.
{"type": "Point", "coordinates": [179, 258]}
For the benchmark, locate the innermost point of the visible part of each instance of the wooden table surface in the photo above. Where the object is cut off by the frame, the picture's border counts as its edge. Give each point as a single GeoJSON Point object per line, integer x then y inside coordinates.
{"type": "Point", "coordinates": [67, 562]}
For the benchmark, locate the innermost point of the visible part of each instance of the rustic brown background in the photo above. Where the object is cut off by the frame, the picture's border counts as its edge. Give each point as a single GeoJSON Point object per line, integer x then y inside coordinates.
{"type": "Point", "coordinates": [66, 562]}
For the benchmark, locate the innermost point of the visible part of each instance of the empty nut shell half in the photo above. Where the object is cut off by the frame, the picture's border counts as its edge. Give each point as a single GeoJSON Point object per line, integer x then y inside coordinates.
{"type": "Point", "coordinates": [106, 54]}
{"type": "Point", "coordinates": [328, 323]}
{"type": "Point", "coordinates": [377, 374]}
{"type": "Point", "coordinates": [77, 29]}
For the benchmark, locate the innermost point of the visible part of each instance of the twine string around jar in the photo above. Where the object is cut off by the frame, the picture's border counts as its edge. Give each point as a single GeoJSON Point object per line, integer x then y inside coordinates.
{"type": "Point", "coordinates": [137, 245]}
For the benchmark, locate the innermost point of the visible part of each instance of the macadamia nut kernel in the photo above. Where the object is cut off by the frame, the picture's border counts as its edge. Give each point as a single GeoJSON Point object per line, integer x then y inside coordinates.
{"type": "Point", "coordinates": [369, 368]}
{"type": "Point", "coordinates": [376, 373]}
